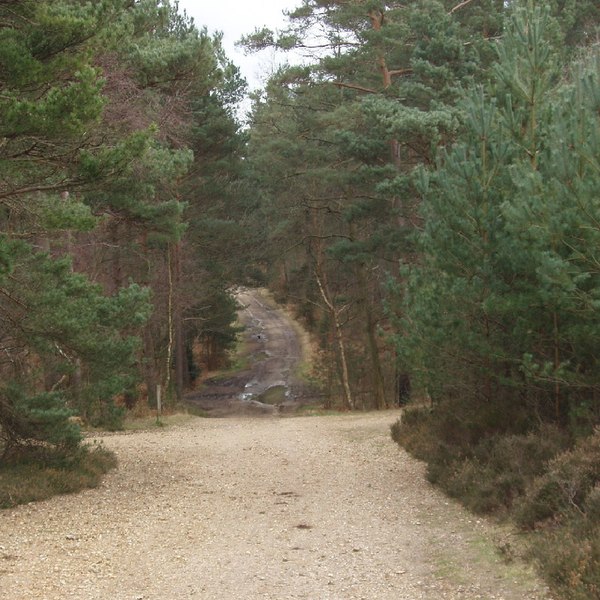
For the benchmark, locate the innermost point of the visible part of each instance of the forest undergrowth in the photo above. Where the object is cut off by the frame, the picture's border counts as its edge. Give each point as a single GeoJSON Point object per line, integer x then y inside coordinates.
{"type": "Point", "coordinates": [544, 480]}
{"type": "Point", "coordinates": [38, 473]}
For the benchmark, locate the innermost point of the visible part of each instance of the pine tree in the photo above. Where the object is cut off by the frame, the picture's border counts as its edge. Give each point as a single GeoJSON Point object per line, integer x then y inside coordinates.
{"type": "Point", "coordinates": [502, 310]}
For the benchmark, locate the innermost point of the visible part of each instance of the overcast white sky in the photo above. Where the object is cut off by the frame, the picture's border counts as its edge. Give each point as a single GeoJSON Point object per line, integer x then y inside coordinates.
{"type": "Point", "coordinates": [236, 18]}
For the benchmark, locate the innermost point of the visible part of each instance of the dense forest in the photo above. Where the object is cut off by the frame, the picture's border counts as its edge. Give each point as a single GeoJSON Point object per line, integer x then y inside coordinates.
{"type": "Point", "coordinates": [120, 155]}
{"type": "Point", "coordinates": [423, 188]}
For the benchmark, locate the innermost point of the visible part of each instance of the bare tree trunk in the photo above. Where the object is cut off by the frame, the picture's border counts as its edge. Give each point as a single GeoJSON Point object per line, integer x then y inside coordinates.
{"type": "Point", "coordinates": [150, 374]}
{"type": "Point", "coordinates": [321, 280]}
{"type": "Point", "coordinates": [170, 321]}
{"type": "Point", "coordinates": [339, 338]}
{"type": "Point", "coordinates": [150, 371]}
{"type": "Point", "coordinates": [377, 17]}
{"type": "Point", "coordinates": [77, 379]}
{"type": "Point", "coordinates": [557, 408]}
{"type": "Point", "coordinates": [180, 358]}
{"type": "Point", "coordinates": [117, 269]}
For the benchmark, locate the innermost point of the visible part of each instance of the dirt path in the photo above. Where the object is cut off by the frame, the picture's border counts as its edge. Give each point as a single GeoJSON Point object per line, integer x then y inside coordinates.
{"type": "Point", "coordinates": [272, 508]}
{"type": "Point", "coordinates": [273, 351]}
{"type": "Point", "coordinates": [277, 351]}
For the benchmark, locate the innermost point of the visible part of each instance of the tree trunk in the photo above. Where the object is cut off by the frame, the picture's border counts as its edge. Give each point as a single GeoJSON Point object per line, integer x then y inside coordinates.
{"type": "Point", "coordinates": [376, 17]}
{"type": "Point", "coordinates": [179, 339]}
{"type": "Point", "coordinates": [150, 370]}
{"type": "Point", "coordinates": [169, 356]}
{"type": "Point", "coordinates": [150, 374]}
{"type": "Point", "coordinates": [116, 266]}
{"type": "Point", "coordinates": [557, 408]}
{"type": "Point", "coordinates": [377, 380]}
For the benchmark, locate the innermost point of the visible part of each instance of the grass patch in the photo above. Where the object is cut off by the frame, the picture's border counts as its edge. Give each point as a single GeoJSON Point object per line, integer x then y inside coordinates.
{"type": "Point", "coordinates": [40, 473]}
{"type": "Point", "coordinates": [445, 567]}
{"type": "Point", "coordinates": [196, 411]}
{"type": "Point", "coordinates": [239, 361]}
{"type": "Point", "coordinates": [316, 410]}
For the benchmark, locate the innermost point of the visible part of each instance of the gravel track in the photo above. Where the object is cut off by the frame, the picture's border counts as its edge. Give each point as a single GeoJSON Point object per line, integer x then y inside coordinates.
{"type": "Point", "coordinates": [271, 508]}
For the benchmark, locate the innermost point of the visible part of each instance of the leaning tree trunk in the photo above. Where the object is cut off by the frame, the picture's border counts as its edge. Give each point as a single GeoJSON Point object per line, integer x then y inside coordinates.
{"type": "Point", "coordinates": [339, 338]}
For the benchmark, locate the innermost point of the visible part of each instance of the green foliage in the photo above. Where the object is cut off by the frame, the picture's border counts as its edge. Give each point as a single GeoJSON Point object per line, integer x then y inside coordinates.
{"type": "Point", "coordinates": [35, 419]}
{"type": "Point", "coordinates": [75, 331]}
{"type": "Point", "coordinates": [504, 302]}
{"type": "Point", "coordinates": [64, 307]}
{"type": "Point", "coordinates": [51, 94]}
{"type": "Point", "coordinates": [499, 320]}
{"type": "Point", "coordinates": [62, 111]}
{"type": "Point", "coordinates": [333, 149]}
{"type": "Point", "coordinates": [102, 103]}
{"type": "Point", "coordinates": [216, 329]}
{"type": "Point", "coordinates": [64, 214]}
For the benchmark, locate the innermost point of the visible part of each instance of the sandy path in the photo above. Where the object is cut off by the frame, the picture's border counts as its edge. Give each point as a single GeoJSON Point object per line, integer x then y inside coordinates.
{"type": "Point", "coordinates": [314, 507]}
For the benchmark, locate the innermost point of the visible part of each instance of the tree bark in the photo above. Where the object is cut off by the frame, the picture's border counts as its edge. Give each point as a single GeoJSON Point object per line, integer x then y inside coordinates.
{"type": "Point", "coordinates": [116, 266]}
{"type": "Point", "coordinates": [377, 380]}
{"type": "Point", "coordinates": [170, 321]}
{"type": "Point", "coordinates": [179, 339]}
{"type": "Point", "coordinates": [150, 371]}
{"type": "Point", "coordinates": [150, 374]}
{"type": "Point", "coordinates": [376, 17]}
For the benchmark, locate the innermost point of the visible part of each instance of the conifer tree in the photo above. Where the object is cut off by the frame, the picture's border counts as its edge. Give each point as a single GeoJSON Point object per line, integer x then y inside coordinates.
{"type": "Point", "coordinates": [502, 310]}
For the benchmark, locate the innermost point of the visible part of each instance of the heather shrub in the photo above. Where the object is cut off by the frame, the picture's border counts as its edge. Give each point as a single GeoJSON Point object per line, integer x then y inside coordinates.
{"type": "Point", "coordinates": [568, 487]}
{"type": "Point", "coordinates": [475, 457]}
{"type": "Point", "coordinates": [500, 469]}
{"type": "Point", "coordinates": [569, 558]}
{"type": "Point", "coordinates": [38, 473]}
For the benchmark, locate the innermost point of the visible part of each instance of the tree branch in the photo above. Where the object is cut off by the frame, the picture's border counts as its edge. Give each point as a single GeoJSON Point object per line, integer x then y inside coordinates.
{"type": "Point", "coordinates": [407, 71]}
{"type": "Point", "coordinates": [352, 86]}
{"type": "Point", "coordinates": [459, 6]}
{"type": "Point", "coordinates": [13, 299]}
{"type": "Point", "coordinates": [30, 190]}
